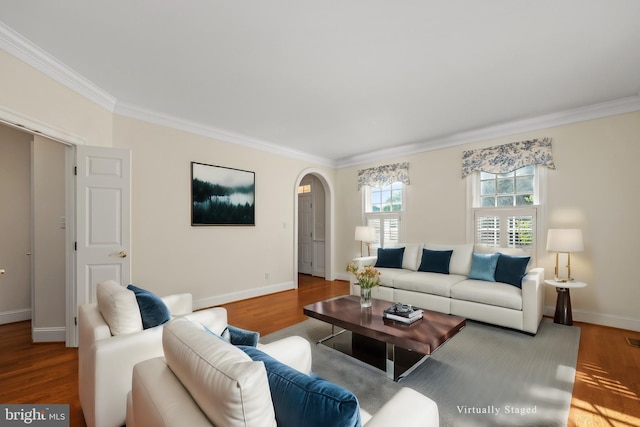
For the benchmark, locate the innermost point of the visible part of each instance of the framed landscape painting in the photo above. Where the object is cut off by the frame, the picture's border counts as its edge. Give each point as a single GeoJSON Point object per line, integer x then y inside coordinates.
{"type": "Point", "coordinates": [222, 196]}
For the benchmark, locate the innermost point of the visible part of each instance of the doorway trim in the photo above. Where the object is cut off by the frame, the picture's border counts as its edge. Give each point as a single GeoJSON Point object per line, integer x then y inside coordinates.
{"type": "Point", "coordinates": [31, 125]}
{"type": "Point", "coordinates": [329, 195]}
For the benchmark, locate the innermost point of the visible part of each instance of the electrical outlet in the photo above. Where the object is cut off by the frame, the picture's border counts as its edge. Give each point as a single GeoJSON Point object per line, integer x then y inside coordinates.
{"type": "Point", "coordinates": [266, 275]}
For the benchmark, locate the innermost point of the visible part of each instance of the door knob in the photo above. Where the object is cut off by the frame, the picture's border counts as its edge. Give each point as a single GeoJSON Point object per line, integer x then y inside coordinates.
{"type": "Point", "coordinates": [122, 254]}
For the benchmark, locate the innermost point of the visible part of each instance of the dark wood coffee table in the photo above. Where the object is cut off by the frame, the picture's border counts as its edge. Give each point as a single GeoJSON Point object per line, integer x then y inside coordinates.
{"type": "Point", "coordinates": [391, 346]}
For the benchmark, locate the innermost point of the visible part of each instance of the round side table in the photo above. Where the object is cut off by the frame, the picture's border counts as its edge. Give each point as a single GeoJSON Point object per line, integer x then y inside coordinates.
{"type": "Point", "coordinates": [563, 304]}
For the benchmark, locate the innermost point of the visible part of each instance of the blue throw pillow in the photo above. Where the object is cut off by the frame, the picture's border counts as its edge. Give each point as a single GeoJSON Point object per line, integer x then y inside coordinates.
{"type": "Point", "coordinates": [238, 336]}
{"type": "Point", "coordinates": [483, 267]}
{"type": "Point", "coordinates": [390, 258]}
{"type": "Point", "coordinates": [435, 261]}
{"type": "Point", "coordinates": [153, 310]}
{"type": "Point", "coordinates": [511, 269]}
{"type": "Point", "coordinates": [303, 400]}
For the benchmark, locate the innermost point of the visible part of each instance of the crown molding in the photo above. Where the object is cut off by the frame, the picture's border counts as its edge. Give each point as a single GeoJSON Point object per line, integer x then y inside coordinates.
{"type": "Point", "coordinates": [139, 113]}
{"type": "Point", "coordinates": [26, 51]}
{"type": "Point", "coordinates": [590, 112]}
{"type": "Point", "coordinates": [23, 49]}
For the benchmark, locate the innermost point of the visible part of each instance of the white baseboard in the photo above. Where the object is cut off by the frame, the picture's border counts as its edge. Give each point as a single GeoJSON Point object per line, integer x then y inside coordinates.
{"type": "Point", "coordinates": [237, 296]}
{"type": "Point", "coordinates": [603, 319]}
{"type": "Point", "coordinates": [15, 316]}
{"type": "Point", "coordinates": [343, 276]}
{"type": "Point", "coordinates": [55, 334]}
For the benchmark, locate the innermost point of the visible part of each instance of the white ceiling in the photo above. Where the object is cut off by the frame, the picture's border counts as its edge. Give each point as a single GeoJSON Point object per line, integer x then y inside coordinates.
{"type": "Point", "coordinates": [341, 80]}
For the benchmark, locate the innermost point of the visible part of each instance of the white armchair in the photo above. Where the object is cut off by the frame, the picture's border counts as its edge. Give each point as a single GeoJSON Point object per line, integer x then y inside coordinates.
{"type": "Point", "coordinates": [106, 361]}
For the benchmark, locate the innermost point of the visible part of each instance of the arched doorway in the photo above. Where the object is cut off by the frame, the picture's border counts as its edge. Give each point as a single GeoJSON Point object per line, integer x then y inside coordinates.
{"type": "Point", "coordinates": [314, 231]}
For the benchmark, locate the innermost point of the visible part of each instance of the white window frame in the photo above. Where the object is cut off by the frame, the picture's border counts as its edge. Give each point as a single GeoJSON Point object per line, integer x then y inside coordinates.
{"type": "Point", "coordinates": [382, 216]}
{"type": "Point", "coordinates": [539, 207]}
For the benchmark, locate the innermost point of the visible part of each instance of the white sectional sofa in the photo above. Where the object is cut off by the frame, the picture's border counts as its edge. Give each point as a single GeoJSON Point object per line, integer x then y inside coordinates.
{"type": "Point", "coordinates": [459, 291]}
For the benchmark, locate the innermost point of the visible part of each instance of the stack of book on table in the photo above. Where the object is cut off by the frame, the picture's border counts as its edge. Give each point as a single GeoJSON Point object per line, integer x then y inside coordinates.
{"type": "Point", "coordinates": [403, 313]}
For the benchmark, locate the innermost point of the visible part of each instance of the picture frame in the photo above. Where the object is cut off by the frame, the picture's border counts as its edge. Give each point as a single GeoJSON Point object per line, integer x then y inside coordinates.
{"type": "Point", "coordinates": [222, 196]}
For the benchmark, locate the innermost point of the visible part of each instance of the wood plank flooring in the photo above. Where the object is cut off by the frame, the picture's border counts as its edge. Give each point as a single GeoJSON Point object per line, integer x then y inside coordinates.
{"type": "Point", "coordinates": [606, 391]}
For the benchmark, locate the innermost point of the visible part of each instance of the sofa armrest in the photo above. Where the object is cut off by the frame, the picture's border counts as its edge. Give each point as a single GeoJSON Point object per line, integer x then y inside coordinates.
{"type": "Point", "coordinates": [105, 373]}
{"type": "Point", "coordinates": [179, 304]}
{"type": "Point", "coordinates": [292, 351]}
{"type": "Point", "coordinates": [532, 299]}
{"type": "Point", "coordinates": [215, 319]}
{"type": "Point", "coordinates": [361, 262]}
{"type": "Point", "coordinates": [407, 407]}
{"type": "Point", "coordinates": [158, 398]}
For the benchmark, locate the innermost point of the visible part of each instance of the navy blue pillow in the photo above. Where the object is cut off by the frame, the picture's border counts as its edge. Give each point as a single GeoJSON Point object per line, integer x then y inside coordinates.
{"type": "Point", "coordinates": [153, 310]}
{"type": "Point", "coordinates": [511, 269]}
{"type": "Point", "coordinates": [435, 261]}
{"type": "Point", "coordinates": [303, 400]}
{"type": "Point", "coordinates": [238, 336]}
{"type": "Point", "coordinates": [390, 258]}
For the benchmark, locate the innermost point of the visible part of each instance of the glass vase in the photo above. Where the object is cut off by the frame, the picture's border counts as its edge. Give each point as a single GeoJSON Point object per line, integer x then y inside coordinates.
{"type": "Point", "coordinates": [365, 297]}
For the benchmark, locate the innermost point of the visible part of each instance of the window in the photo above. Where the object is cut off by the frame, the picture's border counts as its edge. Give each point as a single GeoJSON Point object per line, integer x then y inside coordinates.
{"type": "Point", "coordinates": [386, 199]}
{"type": "Point", "coordinates": [507, 228]}
{"type": "Point", "coordinates": [506, 193]}
{"type": "Point", "coordinates": [506, 208]}
{"type": "Point", "coordinates": [306, 188]}
{"type": "Point", "coordinates": [507, 189]}
{"type": "Point", "coordinates": [383, 211]}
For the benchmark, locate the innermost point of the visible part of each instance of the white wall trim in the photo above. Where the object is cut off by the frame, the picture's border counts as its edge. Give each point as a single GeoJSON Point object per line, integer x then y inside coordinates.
{"type": "Point", "coordinates": [237, 296]}
{"type": "Point", "coordinates": [330, 226]}
{"type": "Point", "coordinates": [31, 125]}
{"type": "Point", "coordinates": [604, 319]}
{"type": "Point", "coordinates": [53, 334]}
{"type": "Point", "coordinates": [343, 276]}
{"type": "Point", "coordinates": [149, 116]}
{"type": "Point", "coordinates": [590, 112]}
{"type": "Point", "coordinates": [23, 49]}
{"type": "Point", "coordinates": [26, 51]}
{"type": "Point", "coordinates": [12, 316]}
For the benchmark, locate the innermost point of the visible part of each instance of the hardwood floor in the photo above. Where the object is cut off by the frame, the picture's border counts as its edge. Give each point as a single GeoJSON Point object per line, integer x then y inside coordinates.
{"type": "Point", "coordinates": [606, 391]}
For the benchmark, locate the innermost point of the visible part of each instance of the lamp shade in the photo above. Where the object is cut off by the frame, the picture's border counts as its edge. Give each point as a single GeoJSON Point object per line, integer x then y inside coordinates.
{"type": "Point", "coordinates": [565, 240]}
{"type": "Point", "coordinates": [365, 234]}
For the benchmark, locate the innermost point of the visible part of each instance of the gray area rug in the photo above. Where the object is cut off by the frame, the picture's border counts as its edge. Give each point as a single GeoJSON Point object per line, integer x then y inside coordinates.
{"type": "Point", "coordinates": [483, 376]}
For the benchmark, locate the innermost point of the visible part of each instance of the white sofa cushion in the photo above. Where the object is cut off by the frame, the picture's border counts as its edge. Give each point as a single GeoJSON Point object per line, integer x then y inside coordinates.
{"type": "Point", "coordinates": [460, 259]}
{"type": "Point", "coordinates": [228, 386]}
{"type": "Point", "coordinates": [431, 283]}
{"type": "Point", "coordinates": [412, 254]}
{"type": "Point", "coordinates": [492, 293]}
{"type": "Point", "coordinates": [389, 275]}
{"type": "Point", "coordinates": [119, 308]}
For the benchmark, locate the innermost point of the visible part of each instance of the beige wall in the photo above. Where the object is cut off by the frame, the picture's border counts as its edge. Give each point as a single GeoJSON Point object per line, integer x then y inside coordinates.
{"type": "Point", "coordinates": [215, 263]}
{"type": "Point", "coordinates": [593, 188]}
{"type": "Point", "coordinates": [49, 258]}
{"type": "Point", "coordinates": [29, 93]}
{"type": "Point", "coordinates": [15, 235]}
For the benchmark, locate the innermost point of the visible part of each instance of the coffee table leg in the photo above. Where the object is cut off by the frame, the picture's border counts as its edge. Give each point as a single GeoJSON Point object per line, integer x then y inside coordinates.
{"type": "Point", "coordinates": [391, 361]}
{"type": "Point", "coordinates": [333, 334]}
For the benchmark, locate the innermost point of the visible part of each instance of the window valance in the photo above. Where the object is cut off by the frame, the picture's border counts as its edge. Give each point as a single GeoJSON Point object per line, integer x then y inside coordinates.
{"type": "Point", "coordinates": [508, 157]}
{"type": "Point", "coordinates": [384, 175]}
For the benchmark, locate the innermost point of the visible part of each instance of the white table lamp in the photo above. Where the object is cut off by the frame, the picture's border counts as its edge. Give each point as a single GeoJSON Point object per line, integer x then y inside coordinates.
{"type": "Point", "coordinates": [565, 240]}
{"type": "Point", "coordinates": [367, 235]}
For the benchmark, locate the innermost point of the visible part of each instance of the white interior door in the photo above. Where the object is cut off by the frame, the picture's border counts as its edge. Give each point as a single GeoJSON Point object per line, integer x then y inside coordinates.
{"type": "Point", "coordinates": [103, 230]}
{"type": "Point", "coordinates": [305, 236]}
